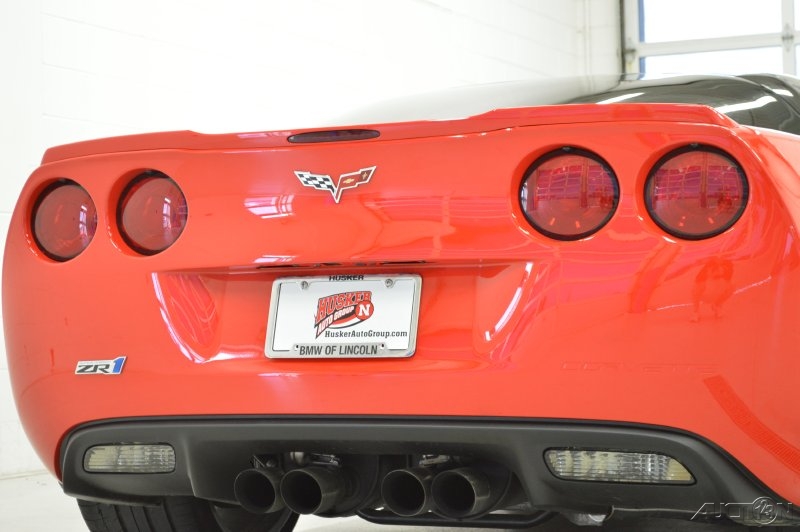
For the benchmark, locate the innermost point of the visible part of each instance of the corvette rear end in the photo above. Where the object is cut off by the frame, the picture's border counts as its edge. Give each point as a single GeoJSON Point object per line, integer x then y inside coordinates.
{"type": "Point", "coordinates": [584, 309]}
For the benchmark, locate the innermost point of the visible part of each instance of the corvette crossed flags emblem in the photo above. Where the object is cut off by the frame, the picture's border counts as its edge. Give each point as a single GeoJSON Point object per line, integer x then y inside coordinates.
{"type": "Point", "coordinates": [325, 182]}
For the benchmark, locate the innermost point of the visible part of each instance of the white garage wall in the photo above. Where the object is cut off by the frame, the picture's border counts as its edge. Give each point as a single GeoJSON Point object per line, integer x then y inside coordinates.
{"type": "Point", "coordinates": [78, 69]}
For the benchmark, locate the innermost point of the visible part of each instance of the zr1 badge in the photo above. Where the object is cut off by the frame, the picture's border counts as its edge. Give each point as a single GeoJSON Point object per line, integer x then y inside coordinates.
{"type": "Point", "coordinates": [100, 367]}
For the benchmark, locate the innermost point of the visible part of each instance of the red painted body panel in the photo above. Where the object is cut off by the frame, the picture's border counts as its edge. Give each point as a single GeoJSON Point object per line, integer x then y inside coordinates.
{"type": "Point", "coordinates": [615, 327]}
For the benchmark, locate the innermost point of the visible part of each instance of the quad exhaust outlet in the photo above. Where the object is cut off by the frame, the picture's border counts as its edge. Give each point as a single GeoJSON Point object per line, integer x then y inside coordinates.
{"type": "Point", "coordinates": [451, 493]}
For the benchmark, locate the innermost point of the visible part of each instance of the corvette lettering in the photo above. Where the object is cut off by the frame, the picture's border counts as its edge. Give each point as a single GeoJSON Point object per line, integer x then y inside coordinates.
{"type": "Point", "coordinates": [343, 310]}
{"type": "Point", "coordinates": [345, 181]}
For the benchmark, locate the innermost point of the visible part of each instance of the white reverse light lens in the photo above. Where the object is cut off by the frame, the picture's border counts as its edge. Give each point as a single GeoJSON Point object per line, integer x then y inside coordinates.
{"type": "Point", "coordinates": [616, 466]}
{"type": "Point", "coordinates": [130, 458]}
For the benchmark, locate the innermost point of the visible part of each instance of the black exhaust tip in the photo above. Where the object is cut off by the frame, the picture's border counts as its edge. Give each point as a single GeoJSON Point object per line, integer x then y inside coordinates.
{"type": "Point", "coordinates": [462, 493]}
{"type": "Point", "coordinates": [407, 492]}
{"type": "Point", "coordinates": [312, 490]}
{"type": "Point", "coordinates": [258, 491]}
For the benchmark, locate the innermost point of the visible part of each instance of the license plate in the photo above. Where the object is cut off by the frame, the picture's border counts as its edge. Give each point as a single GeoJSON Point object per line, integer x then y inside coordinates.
{"type": "Point", "coordinates": [344, 316]}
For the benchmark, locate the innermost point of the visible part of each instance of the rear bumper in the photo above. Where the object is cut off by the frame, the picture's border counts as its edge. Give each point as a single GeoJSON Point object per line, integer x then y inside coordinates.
{"type": "Point", "coordinates": [210, 452]}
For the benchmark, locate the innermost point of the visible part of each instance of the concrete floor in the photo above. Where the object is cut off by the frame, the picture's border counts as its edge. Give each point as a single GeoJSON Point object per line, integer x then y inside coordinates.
{"type": "Point", "coordinates": [35, 503]}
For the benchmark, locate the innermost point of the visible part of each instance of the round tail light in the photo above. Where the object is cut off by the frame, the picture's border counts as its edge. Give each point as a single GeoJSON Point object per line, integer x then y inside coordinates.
{"type": "Point", "coordinates": [696, 192]}
{"type": "Point", "coordinates": [64, 220]}
{"type": "Point", "coordinates": [152, 213]}
{"type": "Point", "coordinates": [569, 194]}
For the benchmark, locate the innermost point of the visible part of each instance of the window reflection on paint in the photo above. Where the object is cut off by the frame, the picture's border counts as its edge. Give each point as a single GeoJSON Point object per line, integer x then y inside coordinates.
{"type": "Point", "coordinates": [270, 206]}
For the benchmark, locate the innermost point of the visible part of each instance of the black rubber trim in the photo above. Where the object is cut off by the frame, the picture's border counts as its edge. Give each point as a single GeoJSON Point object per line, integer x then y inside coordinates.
{"type": "Point", "coordinates": [210, 452]}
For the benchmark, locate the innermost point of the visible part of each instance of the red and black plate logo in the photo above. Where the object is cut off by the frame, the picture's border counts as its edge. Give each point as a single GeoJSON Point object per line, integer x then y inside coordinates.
{"type": "Point", "coordinates": [346, 309]}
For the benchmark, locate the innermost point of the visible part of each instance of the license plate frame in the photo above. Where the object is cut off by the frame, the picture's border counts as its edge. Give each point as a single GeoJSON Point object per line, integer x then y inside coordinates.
{"type": "Point", "coordinates": [353, 316]}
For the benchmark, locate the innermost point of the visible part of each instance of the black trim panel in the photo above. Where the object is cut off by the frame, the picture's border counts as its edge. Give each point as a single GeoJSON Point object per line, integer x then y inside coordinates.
{"type": "Point", "coordinates": [210, 452]}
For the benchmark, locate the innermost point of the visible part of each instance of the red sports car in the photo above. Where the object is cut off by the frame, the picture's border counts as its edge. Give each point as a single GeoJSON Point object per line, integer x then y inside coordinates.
{"type": "Point", "coordinates": [566, 307]}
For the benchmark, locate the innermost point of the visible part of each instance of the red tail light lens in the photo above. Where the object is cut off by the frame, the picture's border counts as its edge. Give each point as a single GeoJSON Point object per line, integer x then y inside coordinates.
{"type": "Point", "coordinates": [695, 193]}
{"type": "Point", "coordinates": [64, 220]}
{"type": "Point", "coordinates": [152, 213]}
{"type": "Point", "coordinates": [569, 194]}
